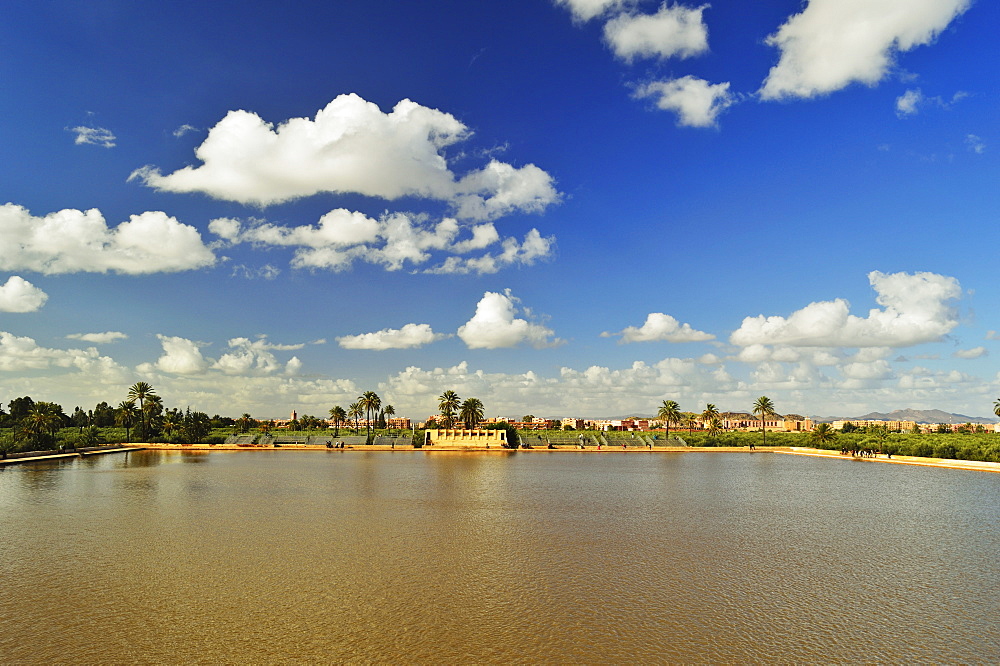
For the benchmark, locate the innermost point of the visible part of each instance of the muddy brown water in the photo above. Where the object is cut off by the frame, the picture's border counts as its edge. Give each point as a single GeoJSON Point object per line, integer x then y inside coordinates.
{"type": "Point", "coordinates": [279, 556]}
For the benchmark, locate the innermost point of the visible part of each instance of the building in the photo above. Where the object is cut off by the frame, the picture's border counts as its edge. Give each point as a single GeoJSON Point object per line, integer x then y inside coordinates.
{"type": "Point", "coordinates": [461, 437]}
{"type": "Point", "coordinates": [891, 426]}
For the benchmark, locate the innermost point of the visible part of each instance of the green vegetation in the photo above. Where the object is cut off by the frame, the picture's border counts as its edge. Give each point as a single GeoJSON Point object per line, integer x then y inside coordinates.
{"type": "Point", "coordinates": [31, 425]}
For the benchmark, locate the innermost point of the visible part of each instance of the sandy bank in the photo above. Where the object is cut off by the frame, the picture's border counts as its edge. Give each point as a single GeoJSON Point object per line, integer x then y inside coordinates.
{"type": "Point", "coordinates": [897, 460]}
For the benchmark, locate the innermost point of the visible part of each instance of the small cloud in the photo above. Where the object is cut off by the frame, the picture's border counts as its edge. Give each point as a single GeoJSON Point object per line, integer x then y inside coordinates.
{"type": "Point", "coordinates": [975, 144]}
{"type": "Point", "coordinates": [584, 10]}
{"type": "Point", "coordinates": [660, 327]}
{"type": "Point", "coordinates": [265, 272]}
{"type": "Point", "coordinates": [975, 352]}
{"type": "Point", "coordinates": [673, 31]}
{"type": "Point", "coordinates": [992, 335]}
{"type": "Point", "coordinates": [408, 337]}
{"type": "Point", "coordinates": [184, 129]}
{"type": "Point", "coordinates": [98, 338]}
{"type": "Point", "coordinates": [907, 104]}
{"type": "Point", "coordinates": [696, 102]}
{"type": "Point", "coordinates": [19, 295]}
{"type": "Point", "coordinates": [93, 136]}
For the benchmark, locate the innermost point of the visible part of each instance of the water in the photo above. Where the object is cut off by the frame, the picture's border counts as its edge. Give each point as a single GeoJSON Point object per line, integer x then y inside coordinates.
{"type": "Point", "coordinates": [277, 556]}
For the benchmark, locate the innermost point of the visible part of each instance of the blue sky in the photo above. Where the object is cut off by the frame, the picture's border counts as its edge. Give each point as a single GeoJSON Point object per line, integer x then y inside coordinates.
{"type": "Point", "coordinates": [581, 207]}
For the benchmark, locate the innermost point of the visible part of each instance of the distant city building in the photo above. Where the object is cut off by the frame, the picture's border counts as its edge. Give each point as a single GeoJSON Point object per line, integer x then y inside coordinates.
{"type": "Point", "coordinates": [892, 426]}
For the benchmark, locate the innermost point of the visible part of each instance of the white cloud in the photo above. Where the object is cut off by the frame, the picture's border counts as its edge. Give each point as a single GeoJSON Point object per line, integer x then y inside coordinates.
{"type": "Point", "coordinates": [696, 102]}
{"type": "Point", "coordinates": [833, 43]}
{"type": "Point", "coordinates": [393, 241]}
{"type": "Point", "coordinates": [98, 338]}
{"type": "Point", "coordinates": [19, 295]}
{"type": "Point", "coordinates": [495, 326]}
{"type": "Point", "coordinates": [265, 272]}
{"type": "Point", "coordinates": [408, 337]}
{"type": "Point", "coordinates": [660, 327]}
{"type": "Point", "coordinates": [673, 31]}
{"type": "Point", "coordinates": [975, 144]}
{"type": "Point", "coordinates": [911, 101]}
{"type": "Point", "coordinates": [180, 357]}
{"type": "Point", "coordinates": [907, 104]}
{"type": "Point", "coordinates": [584, 10]}
{"type": "Point", "coordinates": [915, 310]}
{"type": "Point", "coordinates": [975, 352]}
{"type": "Point", "coordinates": [93, 136]}
{"type": "Point", "coordinates": [531, 249]}
{"type": "Point", "coordinates": [23, 355]}
{"type": "Point", "coordinates": [499, 188]}
{"type": "Point", "coordinates": [254, 357]}
{"type": "Point", "coordinates": [352, 147]}
{"type": "Point", "coordinates": [71, 241]}
{"type": "Point", "coordinates": [184, 129]}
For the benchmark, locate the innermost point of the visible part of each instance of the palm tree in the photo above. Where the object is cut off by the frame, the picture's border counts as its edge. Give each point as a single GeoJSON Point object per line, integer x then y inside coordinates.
{"type": "Point", "coordinates": [125, 417]}
{"type": "Point", "coordinates": [449, 402]}
{"type": "Point", "coordinates": [338, 415]}
{"type": "Point", "coordinates": [169, 425]}
{"type": "Point", "coordinates": [670, 412]}
{"type": "Point", "coordinates": [354, 412]}
{"type": "Point", "coordinates": [388, 411]}
{"type": "Point", "coordinates": [763, 407]}
{"type": "Point", "coordinates": [996, 407]}
{"type": "Point", "coordinates": [714, 426]}
{"type": "Point", "coordinates": [41, 424]}
{"type": "Point", "coordinates": [371, 403]}
{"type": "Point", "coordinates": [244, 422]}
{"type": "Point", "coordinates": [141, 392]}
{"type": "Point", "coordinates": [472, 412]}
{"type": "Point", "coordinates": [711, 412]}
{"type": "Point", "coordinates": [823, 434]}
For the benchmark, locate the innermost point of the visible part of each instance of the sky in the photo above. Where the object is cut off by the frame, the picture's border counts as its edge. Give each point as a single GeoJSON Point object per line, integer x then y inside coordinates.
{"type": "Point", "coordinates": [560, 207]}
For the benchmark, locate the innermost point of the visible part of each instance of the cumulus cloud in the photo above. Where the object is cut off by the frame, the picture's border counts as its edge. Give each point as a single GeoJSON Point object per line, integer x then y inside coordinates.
{"type": "Point", "coordinates": [180, 357]}
{"type": "Point", "coordinates": [22, 354]}
{"type": "Point", "coordinates": [975, 352]}
{"type": "Point", "coordinates": [915, 309]}
{"type": "Point", "coordinates": [660, 327]}
{"type": "Point", "coordinates": [696, 102]}
{"type": "Point", "coordinates": [351, 146]}
{"type": "Point", "coordinates": [833, 43]}
{"type": "Point", "coordinates": [394, 240]}
{"type": "Point", "coordinates": [584, 10]}
{"type": "Point", "coordinates": [253, 356]}
{"type": "Point", "coordinates": [19, 295]}
{"type": "Point", "coordinates": [98, 338]}
{"type": "Point", "coordinates": [495, 325]}
{"type": "Point", "coordinates": [408, 337]}
{"type": "Point", "coordinates": [673, 31]}
{"type": "Point", "coordinates": [72, 241]}
{"type": "Point", "coordinates": [533, 248]}
{"type": "Point", "coordinates": [245, 358]}
{"type": "Point", "coordinates": [93, 136]}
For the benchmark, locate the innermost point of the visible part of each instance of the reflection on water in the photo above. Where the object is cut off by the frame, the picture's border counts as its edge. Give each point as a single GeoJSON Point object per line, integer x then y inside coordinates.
{"type": "Point", "coordinates": [290, 556]}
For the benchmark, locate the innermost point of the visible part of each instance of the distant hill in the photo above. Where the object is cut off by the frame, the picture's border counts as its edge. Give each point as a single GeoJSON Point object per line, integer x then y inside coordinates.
{"type": "Point", "coordinates": [916, 415]}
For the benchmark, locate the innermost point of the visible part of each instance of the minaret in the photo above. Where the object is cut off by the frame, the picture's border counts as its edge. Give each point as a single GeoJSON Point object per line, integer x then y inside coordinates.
{"type": "Point", "coordinates": [294, 415]}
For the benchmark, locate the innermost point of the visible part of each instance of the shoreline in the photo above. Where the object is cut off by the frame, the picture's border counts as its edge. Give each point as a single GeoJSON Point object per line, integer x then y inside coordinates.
{"type": "Point", "coordinates": [945, 463]}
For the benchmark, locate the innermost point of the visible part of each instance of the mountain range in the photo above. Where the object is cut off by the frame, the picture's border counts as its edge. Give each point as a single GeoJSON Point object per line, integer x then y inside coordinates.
{"type": "Point", "coordinates": [916, 415]}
